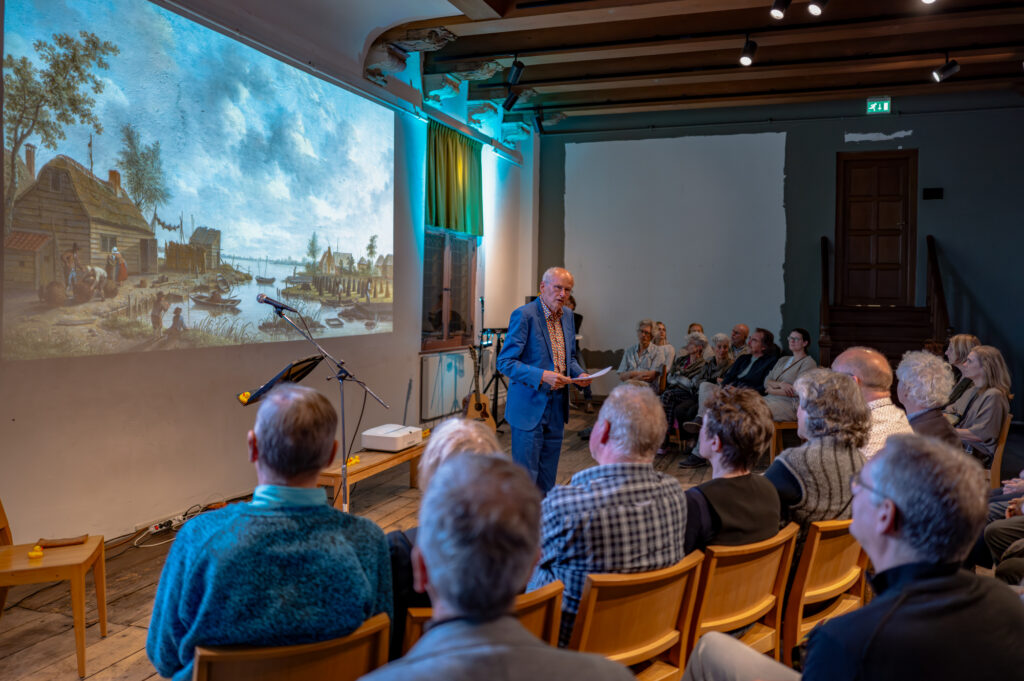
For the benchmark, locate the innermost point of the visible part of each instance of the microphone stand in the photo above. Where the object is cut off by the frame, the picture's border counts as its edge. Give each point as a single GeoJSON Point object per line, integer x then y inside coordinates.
{"type": "Point", "coordinates": [341, 374]}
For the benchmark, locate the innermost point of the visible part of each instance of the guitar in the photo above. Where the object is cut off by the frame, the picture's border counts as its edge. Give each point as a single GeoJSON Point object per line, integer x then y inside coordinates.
{"type": "Point", "coordinates": [474, 405]}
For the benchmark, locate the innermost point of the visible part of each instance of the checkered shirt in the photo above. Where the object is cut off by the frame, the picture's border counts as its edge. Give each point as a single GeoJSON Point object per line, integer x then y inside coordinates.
{"type": "Point", "coordinates": [554, 320]}
{"type": "Point", "coordinates": [622, 517]}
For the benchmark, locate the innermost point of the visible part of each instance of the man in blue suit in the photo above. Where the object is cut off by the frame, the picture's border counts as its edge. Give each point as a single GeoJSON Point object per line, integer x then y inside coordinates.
{"type": "Point", "coordinates": [539, 357]}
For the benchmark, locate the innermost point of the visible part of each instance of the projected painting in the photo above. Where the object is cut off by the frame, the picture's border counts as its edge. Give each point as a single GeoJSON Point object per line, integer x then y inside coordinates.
{"type": "Point", "coordinates": [158, 175]}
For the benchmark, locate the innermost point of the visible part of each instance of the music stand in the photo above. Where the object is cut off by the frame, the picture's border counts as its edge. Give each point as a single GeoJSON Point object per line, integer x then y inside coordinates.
{"type": "Point", "coordinates": [293, 373]}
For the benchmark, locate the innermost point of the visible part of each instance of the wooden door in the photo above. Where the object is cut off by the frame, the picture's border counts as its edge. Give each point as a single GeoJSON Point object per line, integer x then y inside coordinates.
{"type": "Point", "coordinates": [876, 227]}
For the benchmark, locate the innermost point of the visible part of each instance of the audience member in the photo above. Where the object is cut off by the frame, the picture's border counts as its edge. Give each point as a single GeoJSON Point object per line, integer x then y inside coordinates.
{"type": "Point", "coordinates": [738, 338]}
{"type": "Point", "coordinates": [747, 371]}
{"type": "Point", "coordinates": [986, 410]}
{"type": "Point", "coordinates": [1005, 539]}
{"type": "Point", "coordinates": [668, 352]}
{"type": "Point", "coordinates": [812, 479]}
{"type": "Point", "coordinates": [695, 327]}
{"type": "Point", "coordinates": [924, 385]}
{"type": "Point", "coordinates": [735, 506]}
{"type": "Point", "coordinates": [450, 437]}
{"type": "Point", "coordinates": [871, 370]}
{"type": "Point", "coordinates": [778, 384]}
{"type": "Point", "coordinates": [642, 361]}
{"type": "Point", "coordinates": [917, 507]}
{"type": "Point", "coordinates": [479, 528]}
{"type": "Point", "coordinates": [684, 378]}
{"type": "Point", "coordinates": [587, 390]}
{"type": "Point", "coordinates": [960, 346]}
{"type": "Point", "coordinates": [618, 516]}
{"type": "Point", "coordinates": [285, 568]}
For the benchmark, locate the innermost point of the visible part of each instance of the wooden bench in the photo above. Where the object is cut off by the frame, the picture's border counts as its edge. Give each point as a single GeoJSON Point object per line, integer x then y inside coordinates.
{"type": "Point", "coordinates": [371, 463]}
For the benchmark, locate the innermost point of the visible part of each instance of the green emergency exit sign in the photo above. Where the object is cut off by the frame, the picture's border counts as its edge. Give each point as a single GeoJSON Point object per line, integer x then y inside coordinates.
{"type": "Point", "coordinates": [879, 105]}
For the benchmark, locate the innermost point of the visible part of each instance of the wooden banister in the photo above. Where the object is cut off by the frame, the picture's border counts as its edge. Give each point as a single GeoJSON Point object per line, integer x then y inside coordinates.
{"type": "Point", "coordinates": [824, 339]}
{"type": "Point", "coordinates": [941, 330]}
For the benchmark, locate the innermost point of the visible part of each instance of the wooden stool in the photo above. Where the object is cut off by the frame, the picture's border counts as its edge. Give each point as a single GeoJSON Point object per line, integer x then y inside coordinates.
{"type": "Point", "coordinates": [57, 564]}
{"type": "Point", "coordinates": [777, 438]}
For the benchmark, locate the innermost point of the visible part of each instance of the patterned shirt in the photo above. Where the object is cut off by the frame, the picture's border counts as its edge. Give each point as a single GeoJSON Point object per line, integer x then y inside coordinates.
{"type": "Point", "coordinates": [635, 359]}
{"type": "Point", "coordinates": [886, 419]}
{"type": "Point", "coordinates": [621, 517]}
{"type": "Point", "coordinates": [554, 320]}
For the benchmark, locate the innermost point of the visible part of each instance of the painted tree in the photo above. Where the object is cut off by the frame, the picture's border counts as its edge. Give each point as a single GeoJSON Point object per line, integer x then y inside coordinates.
{"type": "Point", "coordinates": [41, 100]}
{"type": "Point", "coordinates": [371, 250]}
{"type": "Point", "coordinates": [313, 251]}
{"type": "Point", "coordinates": [143, 171]}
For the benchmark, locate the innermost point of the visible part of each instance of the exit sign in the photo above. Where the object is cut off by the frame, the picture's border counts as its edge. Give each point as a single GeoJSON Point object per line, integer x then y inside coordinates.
{"type": "Point", "coordinates": [879, 105]}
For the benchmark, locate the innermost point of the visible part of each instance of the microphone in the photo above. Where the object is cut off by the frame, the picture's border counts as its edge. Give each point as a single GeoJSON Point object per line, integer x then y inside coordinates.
{"type": "Point", "coordinates": [276, 304]}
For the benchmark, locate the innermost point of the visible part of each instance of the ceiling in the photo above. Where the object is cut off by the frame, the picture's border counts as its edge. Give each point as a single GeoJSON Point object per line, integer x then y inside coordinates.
{"type": "Point", "coordinates": [605, 57]}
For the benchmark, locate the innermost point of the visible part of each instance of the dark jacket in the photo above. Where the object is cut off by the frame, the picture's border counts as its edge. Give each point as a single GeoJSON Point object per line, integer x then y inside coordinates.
{"type": "Point", "coordinates": [932, 423]}
{"type": "Point", "coordinates": [755, 377]}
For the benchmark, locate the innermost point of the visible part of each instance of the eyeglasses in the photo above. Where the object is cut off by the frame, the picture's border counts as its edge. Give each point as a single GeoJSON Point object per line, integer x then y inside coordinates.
{"type": "Point", "coordinates": [796, 338]}
{"type": "Point", "coordinates": [857, 482]}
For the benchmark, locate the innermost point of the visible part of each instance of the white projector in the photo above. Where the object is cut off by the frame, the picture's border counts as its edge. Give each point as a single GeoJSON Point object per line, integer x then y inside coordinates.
{"type": "Point", "coordinates": [392, 437]}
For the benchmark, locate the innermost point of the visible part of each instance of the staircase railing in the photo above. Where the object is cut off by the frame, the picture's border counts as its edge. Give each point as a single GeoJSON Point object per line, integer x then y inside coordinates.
{"type": "Point", "coordinates": [824, 339]}
{"type": "Point", "coordinates": [941, 329]}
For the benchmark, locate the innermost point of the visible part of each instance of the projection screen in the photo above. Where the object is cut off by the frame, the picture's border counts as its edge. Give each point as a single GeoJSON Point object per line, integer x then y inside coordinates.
{"type": "Point", "coordinates": [181, 174]}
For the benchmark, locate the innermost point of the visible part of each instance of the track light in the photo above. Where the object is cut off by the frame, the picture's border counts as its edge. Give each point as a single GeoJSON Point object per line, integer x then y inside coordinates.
{"type": "Point", "coordinates": [515, 72]}
{"type": "Point", "coordinates": [510, 100]}
{"type": "Point", "coordinates": [817, 7]}
{"type": "Point", "coordinates": [779, 8]}
{"type": "Point", "coordinates": [747, 55]}
{"type": "Point", "coordinates": [946, 70]}
{"type": "Point", "coordinates": [928, 2]}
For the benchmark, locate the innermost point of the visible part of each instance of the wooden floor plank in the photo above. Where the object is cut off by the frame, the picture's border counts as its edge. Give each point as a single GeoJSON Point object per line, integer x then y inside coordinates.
{"type": "Point", "coordinates": [29, 625]}
{"type": "Point", "coordinates": [43, 652]}
{"type": "Point", "coordinates": [98, 656]}
{"type": "Point", "coordinates": [135, 667]}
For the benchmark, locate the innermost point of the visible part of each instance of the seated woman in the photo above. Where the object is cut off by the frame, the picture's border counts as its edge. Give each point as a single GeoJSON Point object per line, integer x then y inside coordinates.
{"type": "Point", "coordinates": [960, 346]}
{"type": "Point", "coordinates": [667, 350]}
{"type": "Point", "coordinates": [735, 506]}
{"type": "Point", "coordinates": [813, 480]}
{"type": "Point", "coordinates": [685, 375]}
{"type": "Point", "coordinates": [778, 384]}
{"type": "Point", "coordinates": [989, 403]}
{"type": "Point", "coordinates": [451, 437]}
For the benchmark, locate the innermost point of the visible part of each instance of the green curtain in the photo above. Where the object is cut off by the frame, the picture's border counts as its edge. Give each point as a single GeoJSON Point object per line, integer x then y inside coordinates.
{"type": "Point", "coordinates": [454, 193]}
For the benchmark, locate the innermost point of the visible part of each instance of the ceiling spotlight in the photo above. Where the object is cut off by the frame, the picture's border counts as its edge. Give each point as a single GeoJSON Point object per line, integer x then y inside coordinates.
{"type": "Point", "coordinates": [946, 70]}
{"type": "Point", "coordinates": [779, 8]}
{"type": "Point", "coordinates": [515, 72]}
{"type": "Point", "coordinates": [510, 100]}
{"type": "Point", "coordinates": [747, 55]}
{"type": "Point", "coordinates": [817, 7]}
{"type": "Point", "coordinates": [928, 2]}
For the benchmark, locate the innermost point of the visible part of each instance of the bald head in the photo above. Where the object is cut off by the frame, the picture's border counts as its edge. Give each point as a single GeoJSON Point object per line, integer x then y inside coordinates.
{"type": "Point", "coordinates": [556, 288]}
{"type": "Point", "coordinates": [739, 335]}
{"type": "Point", "coordinates": [869, 368]}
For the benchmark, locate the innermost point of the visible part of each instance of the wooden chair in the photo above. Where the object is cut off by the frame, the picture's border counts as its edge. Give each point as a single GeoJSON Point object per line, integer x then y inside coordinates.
{"type": "Point", "coordinates": [996, 474]}
{"type": "Point", "coordinates": [539, 611]}
{"type": "Point", "coordinates": [832, 570]}
{"type": "Point", "coordinates": [57, 564]}
{"type": "Point", "coordinates": [635, 618]}
{"type": "Point", "coordinates": [776, 446]}
{"type": "Point", "coordinates": [340, 659]}
{"type": "Point", "coordinates": [744, 585]}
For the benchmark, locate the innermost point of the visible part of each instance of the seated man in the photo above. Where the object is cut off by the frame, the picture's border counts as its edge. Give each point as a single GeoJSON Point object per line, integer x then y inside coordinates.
{"type": "Point", "coordinates": [478, 541]}
{"type": "Point", "coordinates": [619, 516]}
{"type": "Point", "coordinates": [285, 568]}
{"type": "Point", "coordinates": [1005, 539]}
{"type": "Point", "coordinates": [748, 371]}
{"type": "Point", "coordinates": [871, 370]}
{"type": "Point", "coordinates": [735, 506]}
{"type": "Point", "coordinates": [917, 506]}
{"type": "Point", "coordinates": [738, 340]}
{"type": "Point", "coordinates": [642, 361]}
{"type": "Point", "coordinates": [924, 385]}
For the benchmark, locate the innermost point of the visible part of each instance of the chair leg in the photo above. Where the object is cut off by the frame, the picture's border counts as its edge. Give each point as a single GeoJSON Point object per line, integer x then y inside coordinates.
{"type": "Point", "coordinates": [99, 576]}
{"type": "Point", "coordinates": [3, 599]}
{"type": "Point", "coordinates": [78, 610]}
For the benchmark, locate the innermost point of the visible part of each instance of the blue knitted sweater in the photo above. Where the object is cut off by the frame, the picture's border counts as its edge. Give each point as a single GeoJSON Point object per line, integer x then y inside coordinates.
{"type": "Point", "coordinates": [266, 576]}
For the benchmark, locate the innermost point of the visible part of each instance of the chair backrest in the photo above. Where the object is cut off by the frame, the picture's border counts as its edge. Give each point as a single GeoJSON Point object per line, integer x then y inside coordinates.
{"type": "Point", "coordinates": [6, 538]}
{"type": "Point", "coordinates": [539, 611]}
{"type": "Point", "coordinates": [634, 617]}
{"type": "Point", "coordinates": [832, 569]}
{"type": "Point", "coordinates": [744, 585]}
{"type": "Point", "coordinates": [340, 659]}
{"type": "Point", "coordinates": [996, 474]}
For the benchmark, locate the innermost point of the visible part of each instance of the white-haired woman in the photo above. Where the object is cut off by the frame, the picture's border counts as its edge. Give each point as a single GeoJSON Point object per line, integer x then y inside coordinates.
{"type": "Point", "coordinates": [923, 388]}
{"type": "Point", "coordinates": [684, 378]}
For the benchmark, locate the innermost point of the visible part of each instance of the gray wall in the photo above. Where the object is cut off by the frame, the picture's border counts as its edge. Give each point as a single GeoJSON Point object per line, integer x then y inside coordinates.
{"type": "Point", "coordinates": [971, 146]}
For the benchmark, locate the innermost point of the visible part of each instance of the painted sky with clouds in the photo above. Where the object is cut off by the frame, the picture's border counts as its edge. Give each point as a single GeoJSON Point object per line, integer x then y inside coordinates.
{"type": "Point", "coordinates": [260, 150]}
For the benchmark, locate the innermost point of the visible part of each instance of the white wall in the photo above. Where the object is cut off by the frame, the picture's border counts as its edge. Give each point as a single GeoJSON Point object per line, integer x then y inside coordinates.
{"type": "Point", "coordinates": [682, 229]}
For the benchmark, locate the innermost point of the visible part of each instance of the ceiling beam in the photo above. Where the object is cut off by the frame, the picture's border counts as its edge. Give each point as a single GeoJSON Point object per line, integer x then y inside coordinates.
{"type": "Point", "coordinates": [860, 30]}
{"type": "Point", "coordinates": [924, 60]}
{"type": "Point", "coordinates": [480, 10]}
{"type": "Point", "coordinates": [556, 16]}
{"type": "Point", "coordinates": [781, 98]}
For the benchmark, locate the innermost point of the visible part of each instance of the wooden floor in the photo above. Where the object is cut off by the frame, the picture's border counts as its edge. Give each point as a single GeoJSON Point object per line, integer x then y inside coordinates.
{"type": "Point", "coordinates": [36, 637]}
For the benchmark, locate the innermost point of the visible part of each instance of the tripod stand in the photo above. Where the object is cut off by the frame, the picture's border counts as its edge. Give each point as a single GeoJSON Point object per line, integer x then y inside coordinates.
{"type": "Point", "coordinates": [496, 379]}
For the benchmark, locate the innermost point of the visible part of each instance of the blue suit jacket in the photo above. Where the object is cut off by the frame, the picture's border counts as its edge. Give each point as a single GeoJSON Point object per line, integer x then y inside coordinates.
{"type": "Point", "coordinates": [525, 356]}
